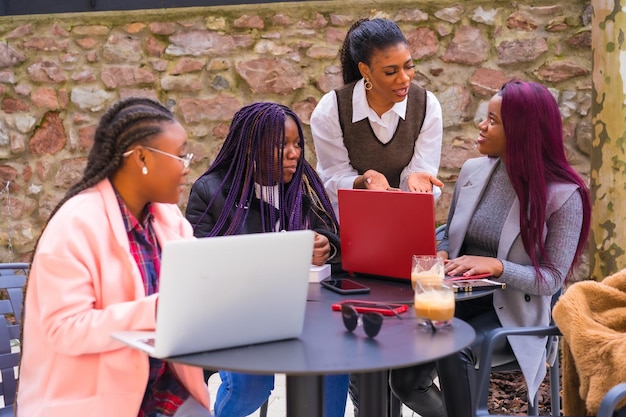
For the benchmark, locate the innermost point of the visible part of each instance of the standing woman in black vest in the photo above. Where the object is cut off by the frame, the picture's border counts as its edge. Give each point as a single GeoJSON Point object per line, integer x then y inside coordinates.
{"type": "Point", "coordinates": [380, 130]}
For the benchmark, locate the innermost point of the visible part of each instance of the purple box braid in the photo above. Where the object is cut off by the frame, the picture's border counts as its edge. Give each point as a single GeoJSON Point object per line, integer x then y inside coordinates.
{"type": "Point", "coordinates": [256, 132]}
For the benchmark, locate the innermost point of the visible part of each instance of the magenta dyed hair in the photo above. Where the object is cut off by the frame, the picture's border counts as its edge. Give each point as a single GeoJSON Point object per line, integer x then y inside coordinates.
{"type": "Point", "coordinates": [255, 132]}
{"type": "Point", "coordinates": [535, 157]}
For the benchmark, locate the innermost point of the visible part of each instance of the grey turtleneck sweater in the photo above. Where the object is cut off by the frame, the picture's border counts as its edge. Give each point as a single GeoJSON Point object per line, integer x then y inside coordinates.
{"type": "Point", "coordinates": [483, 234]}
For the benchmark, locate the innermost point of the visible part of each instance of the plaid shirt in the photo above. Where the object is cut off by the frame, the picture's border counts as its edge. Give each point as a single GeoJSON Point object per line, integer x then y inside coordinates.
{"type": "Point", "coordinates": [164, 393]}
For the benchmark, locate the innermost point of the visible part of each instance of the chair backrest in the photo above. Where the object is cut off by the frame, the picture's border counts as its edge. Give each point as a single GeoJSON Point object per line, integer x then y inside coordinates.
{"type": "Point", "coordinates": [12, 280]}
{"type": "Point", "coordinates": [504, 361]}
{"type": "Point", "coordinates": [440, 231]}
{"type": "Point", "coordinates": [493, 339]}
{"type": "Point", "coordinates": [611, 399]}
{"type": "Point", "coordinates": [607, 408]}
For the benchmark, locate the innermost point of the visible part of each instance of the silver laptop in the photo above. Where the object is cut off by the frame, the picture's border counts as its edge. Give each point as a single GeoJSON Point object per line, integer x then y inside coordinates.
{"type": "Point", "coordinates": [221, 292]}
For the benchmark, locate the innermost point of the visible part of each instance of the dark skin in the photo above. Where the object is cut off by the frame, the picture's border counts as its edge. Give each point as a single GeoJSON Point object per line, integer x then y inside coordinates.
{"type": "Point", "coordinates": [165, 178]}
{"type": "Point", "coordinates": [390, 72]}
{"type": "Point", "coordinates": [291, 157]}
{"type": "Point", "coordinates": [491, 141]}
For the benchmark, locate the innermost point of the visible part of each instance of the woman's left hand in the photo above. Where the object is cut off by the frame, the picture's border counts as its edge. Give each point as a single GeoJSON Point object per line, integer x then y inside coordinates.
{"type": "Point", "coordinates": [422, 182]}
{"type": "Point", "coordinates": [321, 249]}
{"type": "Point", "coordinates": [473, 265]}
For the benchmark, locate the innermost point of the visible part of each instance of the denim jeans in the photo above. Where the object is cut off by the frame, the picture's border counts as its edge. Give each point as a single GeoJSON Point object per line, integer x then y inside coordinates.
{"type": "Point", "coordinates": [240, 395]}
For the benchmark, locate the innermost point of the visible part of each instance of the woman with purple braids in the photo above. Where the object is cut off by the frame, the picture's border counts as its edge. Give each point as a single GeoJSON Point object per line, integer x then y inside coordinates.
{"type": "Point", "coordinates": [285, 193]}
{"type": "Point", "coordinates": [260, 182]}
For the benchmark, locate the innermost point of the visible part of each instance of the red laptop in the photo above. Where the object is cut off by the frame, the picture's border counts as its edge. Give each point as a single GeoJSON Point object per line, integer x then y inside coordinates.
{"type": "Point", "coordinates": [381, 230]}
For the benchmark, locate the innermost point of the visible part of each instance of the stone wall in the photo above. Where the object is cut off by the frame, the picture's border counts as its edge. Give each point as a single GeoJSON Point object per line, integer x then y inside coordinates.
{"type": "Point", "coordinates": [58, 73]}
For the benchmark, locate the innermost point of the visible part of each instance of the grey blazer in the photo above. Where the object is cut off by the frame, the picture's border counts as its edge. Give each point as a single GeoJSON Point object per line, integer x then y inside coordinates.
{"type": "Point", "coordinates": [514, 307]}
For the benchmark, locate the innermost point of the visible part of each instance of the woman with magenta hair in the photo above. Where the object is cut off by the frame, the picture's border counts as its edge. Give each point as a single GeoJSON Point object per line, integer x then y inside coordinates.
{"type": "Point", "coordinates": [521, 214]}
{"type": "Point", "coordinates": [260, 182]}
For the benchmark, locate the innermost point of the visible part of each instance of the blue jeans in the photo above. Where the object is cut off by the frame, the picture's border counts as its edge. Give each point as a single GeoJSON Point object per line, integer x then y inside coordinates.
{"type": "Point", "coordinates": [240, 395]}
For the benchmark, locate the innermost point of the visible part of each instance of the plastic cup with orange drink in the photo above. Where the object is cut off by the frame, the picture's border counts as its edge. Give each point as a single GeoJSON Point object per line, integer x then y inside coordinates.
{"type": "Point", "coordinates": [434, 302]}
{"type": "Point", "coordinates": [427, 269]}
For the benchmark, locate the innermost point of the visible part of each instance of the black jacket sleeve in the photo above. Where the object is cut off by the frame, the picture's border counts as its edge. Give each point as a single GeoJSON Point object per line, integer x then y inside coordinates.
{"type": "Point", "coordinates": [201, 219]}
{"type": "Point", "coordinates": [321, 223]}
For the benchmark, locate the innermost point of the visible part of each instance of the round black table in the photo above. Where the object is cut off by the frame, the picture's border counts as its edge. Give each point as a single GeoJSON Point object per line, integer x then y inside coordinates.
{"type": "Point", "coordinates": [385, 290]}
{"type": "Point", "coordinates": [325, 347]}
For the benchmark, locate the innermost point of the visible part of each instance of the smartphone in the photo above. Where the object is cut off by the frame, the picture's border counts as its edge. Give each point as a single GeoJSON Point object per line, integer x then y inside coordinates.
{"type": "Point", "coordinates": [344, 286]}
{"type": "Point", "coordinates": [386, 309]}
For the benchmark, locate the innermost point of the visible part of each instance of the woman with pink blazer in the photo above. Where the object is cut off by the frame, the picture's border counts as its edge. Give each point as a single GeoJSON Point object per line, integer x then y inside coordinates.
{"type": "Point", "coordinates": [95, 271]}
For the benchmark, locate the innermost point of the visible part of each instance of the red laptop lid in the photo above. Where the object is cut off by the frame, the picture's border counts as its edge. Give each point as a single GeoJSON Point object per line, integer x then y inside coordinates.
{"type": "Point", "coordinates": [381, 230]}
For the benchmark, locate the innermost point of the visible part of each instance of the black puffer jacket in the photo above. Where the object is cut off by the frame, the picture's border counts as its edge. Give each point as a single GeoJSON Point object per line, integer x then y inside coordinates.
{"type": "Point", "coordinates": [208, 186]}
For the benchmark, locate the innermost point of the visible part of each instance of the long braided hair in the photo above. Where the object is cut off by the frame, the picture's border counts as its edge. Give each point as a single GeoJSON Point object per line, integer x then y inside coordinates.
{"type": "Point", "coordinates": [134, 120]}
{"type": "Point", "coordinates": [129, 121]}
{"type": "Point", "coordinates": [364, 37]}
{"type": "Point", "coordinates": [256, 135]}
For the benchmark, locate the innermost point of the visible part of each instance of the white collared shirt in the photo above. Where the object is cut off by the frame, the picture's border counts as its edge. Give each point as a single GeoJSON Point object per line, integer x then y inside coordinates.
{"type": "Point", "coordinates": [333, 163]}
{"type": "Point", "coordinates": [265, 197]}
{"type": "Point", "coordinates": [267, 191]}
{"type": "Point", "coordinates": [383, 126]}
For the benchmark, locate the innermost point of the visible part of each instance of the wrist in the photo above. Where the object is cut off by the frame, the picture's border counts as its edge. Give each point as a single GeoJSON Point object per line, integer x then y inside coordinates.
{"type": "Point", "coordinates": [499, 268]}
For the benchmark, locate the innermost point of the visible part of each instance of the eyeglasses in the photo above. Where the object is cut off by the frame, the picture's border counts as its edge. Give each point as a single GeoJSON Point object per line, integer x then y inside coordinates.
{"type": "Point", "coordinates": [372, 322]}
{"type": "Point", "coordinates": [186, 160]}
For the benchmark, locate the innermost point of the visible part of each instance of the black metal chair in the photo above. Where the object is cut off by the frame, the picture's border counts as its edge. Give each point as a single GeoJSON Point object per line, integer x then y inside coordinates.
{"type": "Point", "coordinates": [487, 354]}
{"type": "Point", "coordinates": [12, 280]}
{"type": "Point", "coordinates": [611, 399]}
{"type": "Point", "coordinates": [439, 232]}
{"type": "Point", "coordinates": [607, 407]}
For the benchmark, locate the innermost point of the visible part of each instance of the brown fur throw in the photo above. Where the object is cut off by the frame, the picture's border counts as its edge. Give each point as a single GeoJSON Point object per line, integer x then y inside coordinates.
{"type": "Point", "coordinates": [592, 317]}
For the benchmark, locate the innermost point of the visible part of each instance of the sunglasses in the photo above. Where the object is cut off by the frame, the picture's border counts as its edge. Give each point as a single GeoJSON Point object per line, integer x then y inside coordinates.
{"type": "Point", "coordinates": [372, 322]}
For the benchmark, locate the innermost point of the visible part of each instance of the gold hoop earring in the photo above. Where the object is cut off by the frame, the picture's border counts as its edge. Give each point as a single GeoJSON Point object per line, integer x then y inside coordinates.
{"type": "Point", "coordinates": [144, 170]}
{"type": "Point", "coordinates": [367, 84]}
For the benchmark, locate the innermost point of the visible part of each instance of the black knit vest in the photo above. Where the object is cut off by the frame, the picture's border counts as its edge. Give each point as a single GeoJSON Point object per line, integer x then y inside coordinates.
{"type": "Point", "coordinates": [366, 151]}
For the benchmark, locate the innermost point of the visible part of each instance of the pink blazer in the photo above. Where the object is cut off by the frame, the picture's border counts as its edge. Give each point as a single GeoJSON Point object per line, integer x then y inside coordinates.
{"type": "Point", "coordinates": [83, 285]}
